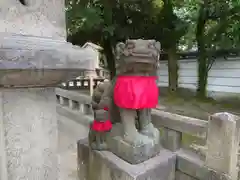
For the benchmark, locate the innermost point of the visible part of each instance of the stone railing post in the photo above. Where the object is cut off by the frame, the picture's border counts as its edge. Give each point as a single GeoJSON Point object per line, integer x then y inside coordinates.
{"type": "Point", "coordinates": [171, 139]}
{"type": "Point", "coordinates": [222, 145]}
{"type": "Point", "coordinates": [63, 101]}
{"type": "Point", "coordinates": [73, 104]}
{"type": "Point", "coordinates": [91, 85]}
{"type": "Point", "coordinates": [91, 75]}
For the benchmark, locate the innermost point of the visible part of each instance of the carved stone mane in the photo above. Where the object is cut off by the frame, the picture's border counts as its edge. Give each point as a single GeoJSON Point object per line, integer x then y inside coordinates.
{"type": "Point", "coordinates": [138, 48]}
{"type": "Point", "coordinates": [137, 51]}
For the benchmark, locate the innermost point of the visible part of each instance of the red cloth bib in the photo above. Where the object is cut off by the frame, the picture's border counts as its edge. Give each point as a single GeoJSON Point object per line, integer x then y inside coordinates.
{"type": "Point", "coordinates": [136, 92]}
{"type": "Point", "coordinates": [102, 126]}
{"type": "Point", "coordinates": [105, 108]}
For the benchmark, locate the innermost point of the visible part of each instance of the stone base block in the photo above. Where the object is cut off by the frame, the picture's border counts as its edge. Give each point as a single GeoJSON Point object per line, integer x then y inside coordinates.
{"type": "Point", "coordinates": [128, 152]}
{"type": "Point", "coordinates": [104, 165]}
{"type": "Point", "coordinates": [133, 154]}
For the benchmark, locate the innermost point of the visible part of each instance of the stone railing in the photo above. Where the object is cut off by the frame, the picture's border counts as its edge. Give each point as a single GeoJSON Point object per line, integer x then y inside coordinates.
{"type": "Point", "coordinates": [217, 151]}
{"type": "Point", "coordinates": [74, 105]}
{"type": "Point", "coordinates": [214, 155]}
{"type": "Point", "coordinates": [102, 73]}
{"type": "Point", "coordinates": [176, 128]}
{"type": "Point", "coordinates": [81, 83]}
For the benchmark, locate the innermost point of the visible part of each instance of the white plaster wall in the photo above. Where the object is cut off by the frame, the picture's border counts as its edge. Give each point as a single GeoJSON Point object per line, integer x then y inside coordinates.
{"type": "Point", "coordinates": [44, 18]}
{"type": "Point", "coordinates": [224, 76]}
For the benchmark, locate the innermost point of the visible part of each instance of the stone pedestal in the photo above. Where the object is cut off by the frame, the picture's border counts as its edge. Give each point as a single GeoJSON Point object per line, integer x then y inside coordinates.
{"type": "Point", "coordinates": [128, 152]}
{"type": "Point", "coordinates": [104, 165]}
{"type": "Point", "coordinates": [29, 125]}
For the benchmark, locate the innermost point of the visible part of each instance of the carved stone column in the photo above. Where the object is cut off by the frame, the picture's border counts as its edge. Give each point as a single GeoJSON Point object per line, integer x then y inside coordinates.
{"type": "Point", "coordinates": [34, 18]}
{"type": "Point", "coordinates": [28, 77]}
{"type": "Point", "coordinates": [34, 58]}
{"type": "Point", "coordinates": [30, 133]}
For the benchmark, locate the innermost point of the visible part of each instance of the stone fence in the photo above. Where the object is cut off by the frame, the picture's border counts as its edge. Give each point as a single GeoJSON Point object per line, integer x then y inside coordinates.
{"type": "Point", "coordinates": [214, 156]}
{"type": "Point", "coordinates": [83, 83]}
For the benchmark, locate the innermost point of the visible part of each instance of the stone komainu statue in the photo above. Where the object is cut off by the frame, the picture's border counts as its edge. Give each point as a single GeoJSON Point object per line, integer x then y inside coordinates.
{"type": "Point", "coordinates": [130, 96]}
{"type": "Point", "coordinates": [101, 124]}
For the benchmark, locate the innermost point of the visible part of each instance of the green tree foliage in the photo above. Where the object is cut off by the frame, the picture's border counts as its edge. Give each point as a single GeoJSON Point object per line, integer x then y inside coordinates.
{"type": "Point", "coordinates": [170, 30]}
{"type": "Point", "coordinates": [229, 36]}
{"type": "Point", "coordinates": [108, 22]}
{"type": "Point", "coordinates": [206, 25]}
{"type": "Point", "coordinates": [214, 26]}
{"type": "Point", "coordinates": [214, 19]}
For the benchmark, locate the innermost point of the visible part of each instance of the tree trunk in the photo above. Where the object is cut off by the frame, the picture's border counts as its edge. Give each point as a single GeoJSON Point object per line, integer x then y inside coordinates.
{"type": "Point", "coordinates": [202, 59]}
{"type": "Point", "coordinates": [108, 51]}
{"type": "Point", "coordinates": [202, 76]}
{"type": "Point", "coordinates": [172, 70]}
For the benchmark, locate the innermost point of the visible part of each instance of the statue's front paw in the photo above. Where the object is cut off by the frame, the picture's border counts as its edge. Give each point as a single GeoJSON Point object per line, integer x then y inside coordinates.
{"type": "Point", "coordinates": [99, 146]}
{"type": "Point", "coordinates": [151, 132]}
{"type": "Point", "coordinates": [96, 141]}
{"type": "Point", "coordinates": [136, 139]}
